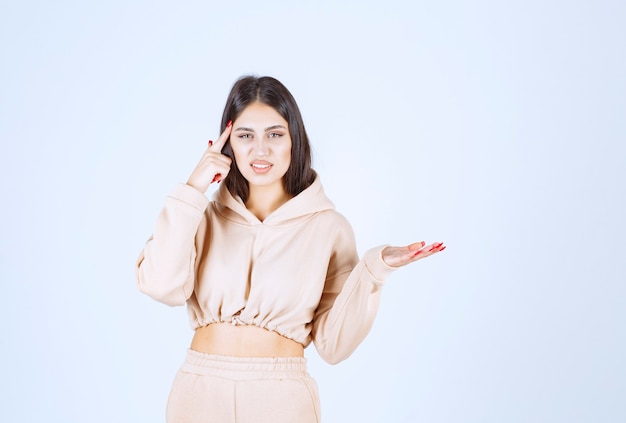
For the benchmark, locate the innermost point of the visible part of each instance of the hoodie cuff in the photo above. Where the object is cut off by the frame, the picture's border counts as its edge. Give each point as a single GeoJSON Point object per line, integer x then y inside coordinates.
{"type": "Point", "coordinates": [375, 264]}
{"type": "Point", "coordinates": [189, 195]}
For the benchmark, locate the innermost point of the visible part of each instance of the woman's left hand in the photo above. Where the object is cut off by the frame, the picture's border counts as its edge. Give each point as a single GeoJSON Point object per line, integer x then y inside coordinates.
{"type": "Point", "coordinates": [401, 256]}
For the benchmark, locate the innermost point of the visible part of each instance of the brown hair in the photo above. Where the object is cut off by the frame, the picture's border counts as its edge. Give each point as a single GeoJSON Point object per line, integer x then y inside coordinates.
{"type": "Point", "coordinates": [270, 91]}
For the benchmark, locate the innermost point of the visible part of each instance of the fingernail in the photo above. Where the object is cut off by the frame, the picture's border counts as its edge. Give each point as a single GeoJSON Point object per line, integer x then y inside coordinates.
{"type": "Point", "coordinates": [210, 143]}
{"type": "Point", "coordinates": [443, 249]}
{"type": "Point", "coordinates": [229, 124]}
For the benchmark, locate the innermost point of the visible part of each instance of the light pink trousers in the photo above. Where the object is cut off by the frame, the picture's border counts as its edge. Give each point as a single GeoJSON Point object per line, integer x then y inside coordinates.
{"type": "Point", "coordinates": [213, 388]}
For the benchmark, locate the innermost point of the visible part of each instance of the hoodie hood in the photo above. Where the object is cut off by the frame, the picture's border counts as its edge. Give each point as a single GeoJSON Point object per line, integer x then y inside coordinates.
{"type": "Point", "coordinates": [301, 207]}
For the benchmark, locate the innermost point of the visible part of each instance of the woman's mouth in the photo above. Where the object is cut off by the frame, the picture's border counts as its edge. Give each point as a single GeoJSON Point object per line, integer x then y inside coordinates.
{"type": "Point", "coordinates": [260, 166]}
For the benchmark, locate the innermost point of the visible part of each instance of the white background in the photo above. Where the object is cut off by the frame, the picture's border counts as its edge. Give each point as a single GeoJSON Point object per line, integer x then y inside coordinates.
{"type": "Point", "coordinates": [497, 127]}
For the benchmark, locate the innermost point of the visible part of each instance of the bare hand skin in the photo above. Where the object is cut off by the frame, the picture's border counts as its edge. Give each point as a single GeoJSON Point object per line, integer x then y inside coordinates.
{"type": "Point", "coordinates": [401, 256]}
{"type": "Point", "coordinates": [213, 166]}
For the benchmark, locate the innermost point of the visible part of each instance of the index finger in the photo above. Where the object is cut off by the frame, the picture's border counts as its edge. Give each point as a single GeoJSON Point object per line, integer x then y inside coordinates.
{"type": "Point", "coordinates": [221, 141]}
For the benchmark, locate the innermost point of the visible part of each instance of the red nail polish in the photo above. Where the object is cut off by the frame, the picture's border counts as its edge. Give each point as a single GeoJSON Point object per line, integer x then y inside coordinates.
{"type": "Point", "coordinates": [210, 143]}
{"type": "Point", "coordinates": [443, 249]}
{"type": "Point", "coordinates": [229, 124]}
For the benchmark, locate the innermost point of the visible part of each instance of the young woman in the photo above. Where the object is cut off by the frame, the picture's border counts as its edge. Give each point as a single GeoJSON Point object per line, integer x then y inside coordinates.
{"type": "Point", "coordinates": [265, 268]}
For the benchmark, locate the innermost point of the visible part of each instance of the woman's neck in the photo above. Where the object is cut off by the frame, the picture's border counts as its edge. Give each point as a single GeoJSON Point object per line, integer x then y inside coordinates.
{"type": "Point", "coordinates": [263, 201]}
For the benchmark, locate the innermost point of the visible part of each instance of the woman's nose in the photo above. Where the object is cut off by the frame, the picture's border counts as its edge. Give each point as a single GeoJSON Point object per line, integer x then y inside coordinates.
{"type": "Point", "coordinates": [261, 148]}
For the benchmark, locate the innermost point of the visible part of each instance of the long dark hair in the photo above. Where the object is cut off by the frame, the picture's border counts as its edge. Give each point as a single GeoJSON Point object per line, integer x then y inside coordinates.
{"type": "Point", "coordinates": [270, 91]}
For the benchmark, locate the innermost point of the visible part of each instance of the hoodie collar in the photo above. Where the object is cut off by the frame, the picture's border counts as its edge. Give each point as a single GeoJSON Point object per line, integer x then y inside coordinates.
{"type": "Point", "coordinates": [310, 201]}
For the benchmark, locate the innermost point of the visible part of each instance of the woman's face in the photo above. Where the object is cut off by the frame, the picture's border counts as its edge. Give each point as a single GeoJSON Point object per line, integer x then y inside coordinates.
{"type": "Point", "coordinates": [262, 145]}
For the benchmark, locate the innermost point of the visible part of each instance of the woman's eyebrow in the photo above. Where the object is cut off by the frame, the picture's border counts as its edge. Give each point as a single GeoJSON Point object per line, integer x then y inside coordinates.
{"type": "Point", "coordinates": [269, 128]}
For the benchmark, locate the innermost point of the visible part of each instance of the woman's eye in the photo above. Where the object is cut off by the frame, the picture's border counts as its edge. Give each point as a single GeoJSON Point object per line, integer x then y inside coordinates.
{"type": "Point", "coordinates": [245, 136]}
{"type": "Point", "coordinates": [274, 135]}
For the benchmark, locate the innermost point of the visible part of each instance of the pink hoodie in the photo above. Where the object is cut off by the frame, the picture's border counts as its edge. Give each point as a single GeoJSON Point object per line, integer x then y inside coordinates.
{"type": "Point", "coordinates": [296, 273]}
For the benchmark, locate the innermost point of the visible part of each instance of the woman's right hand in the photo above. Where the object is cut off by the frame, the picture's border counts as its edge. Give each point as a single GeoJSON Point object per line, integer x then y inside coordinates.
{"type": "Point", "coordinates": [213, 166]}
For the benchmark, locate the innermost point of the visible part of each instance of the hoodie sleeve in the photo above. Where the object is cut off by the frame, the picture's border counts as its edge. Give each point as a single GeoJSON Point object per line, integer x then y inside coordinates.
{"type": "Point", "coordinates": [166, 266]}
{"type": "Point", "coordinates": [350, 299]}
